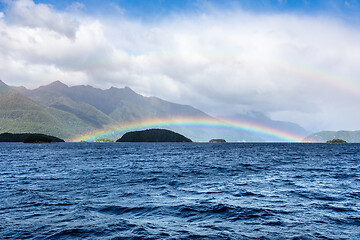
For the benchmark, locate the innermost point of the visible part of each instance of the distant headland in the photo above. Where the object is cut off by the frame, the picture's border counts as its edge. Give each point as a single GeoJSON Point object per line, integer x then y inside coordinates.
{"type": "Point", "coordinates": [153, 135]}
{"type": "Point", "coordinates": [28, 138]}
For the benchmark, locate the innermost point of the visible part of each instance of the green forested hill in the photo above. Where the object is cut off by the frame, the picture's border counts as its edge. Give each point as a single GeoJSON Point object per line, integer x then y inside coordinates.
{"type": "Point", "coordinates": [19, 114]}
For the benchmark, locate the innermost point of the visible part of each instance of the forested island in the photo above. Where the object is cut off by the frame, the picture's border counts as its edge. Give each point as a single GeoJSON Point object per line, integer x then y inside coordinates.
{"type": "Point", "coordinates": [336, 140]}
{"type": "Point", "coordinates": [153, 135]}
{"type": "Point", "coordinates": [28, 138]}
{"type": "Point", "coordinates": [217, 141]}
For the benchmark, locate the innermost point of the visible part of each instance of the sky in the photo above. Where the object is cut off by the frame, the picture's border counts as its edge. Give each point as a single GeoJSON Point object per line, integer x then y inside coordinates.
{"type": "Point", "coordinates": [292, 60]}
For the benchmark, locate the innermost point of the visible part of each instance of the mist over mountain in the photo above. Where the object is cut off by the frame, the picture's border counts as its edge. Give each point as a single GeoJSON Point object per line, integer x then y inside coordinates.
{"type": "Point", "coordinates": [64, 111]}
{"type": "Point", "coordinates": [261, 119]}
{"type": "Point", "coordinates": [323, 136]}
{"type": "Point", "coordinates": [114, 104]}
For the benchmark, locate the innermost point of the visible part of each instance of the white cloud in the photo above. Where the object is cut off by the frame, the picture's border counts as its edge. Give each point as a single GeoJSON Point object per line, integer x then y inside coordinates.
{"type": "Point", "coordinates": [298, 68]}
{"type": "Point", "coordinates": [27, 13]}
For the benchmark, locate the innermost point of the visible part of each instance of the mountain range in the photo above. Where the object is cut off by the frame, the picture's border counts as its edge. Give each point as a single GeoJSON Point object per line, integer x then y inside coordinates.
{"type": "Point", "coordinates": [63, 111]}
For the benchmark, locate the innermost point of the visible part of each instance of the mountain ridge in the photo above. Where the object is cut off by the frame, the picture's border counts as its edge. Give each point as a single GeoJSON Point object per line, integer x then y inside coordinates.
{"type": "Point", "coordinates": [92, 109]}
{"type": "Point", "coordinates": [113, 102]}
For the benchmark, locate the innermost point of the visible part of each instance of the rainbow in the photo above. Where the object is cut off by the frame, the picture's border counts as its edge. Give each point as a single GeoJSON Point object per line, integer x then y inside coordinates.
{"type": "Point", "coordinates": [272, 134]}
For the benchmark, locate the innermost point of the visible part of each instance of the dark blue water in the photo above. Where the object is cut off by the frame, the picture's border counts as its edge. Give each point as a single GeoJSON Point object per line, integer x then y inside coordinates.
{"type": "Point", "coordinates": [179, 191]}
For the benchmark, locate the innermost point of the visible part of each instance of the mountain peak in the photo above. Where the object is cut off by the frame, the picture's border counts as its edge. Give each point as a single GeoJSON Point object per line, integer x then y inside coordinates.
{"type": "Point", "coordinates": [126, 88]}
{"type": "Point", "coordinates": [58, 84]}
{"type": "Point", "coordinates": [54, 86]}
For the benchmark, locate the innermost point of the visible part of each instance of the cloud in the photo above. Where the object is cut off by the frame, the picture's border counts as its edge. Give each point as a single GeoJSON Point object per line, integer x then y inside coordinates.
{"type": "Point", "coordinates": [292, 67]}
{"type": "Point", "coordinates": [248, 59]}
{"type": "Point", "coordinates": [76, 6]}
{"type": "Point", "coordinates": [27, 13]}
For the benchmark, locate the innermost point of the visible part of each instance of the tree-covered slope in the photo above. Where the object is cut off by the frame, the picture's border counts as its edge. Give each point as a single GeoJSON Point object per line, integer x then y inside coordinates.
{"type": "Point", "coordinates": [19, 114]}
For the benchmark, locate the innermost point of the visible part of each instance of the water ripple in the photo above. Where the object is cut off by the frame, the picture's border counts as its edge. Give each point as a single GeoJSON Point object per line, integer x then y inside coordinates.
{"type": "Point", "coordinates": [179, 191]}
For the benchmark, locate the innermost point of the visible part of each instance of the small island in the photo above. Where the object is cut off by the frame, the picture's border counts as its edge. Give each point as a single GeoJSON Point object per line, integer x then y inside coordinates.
{"type": "Point", "coordinates": [103, 140]}
{"type": "Point", "coordinates": [336, 140]}
{"type": "Point", "coordinates": [28, 138]}
{"type": "Point", "coordinates": [217, 141]}
{"type": "Point", "coordinates": [153, 135]}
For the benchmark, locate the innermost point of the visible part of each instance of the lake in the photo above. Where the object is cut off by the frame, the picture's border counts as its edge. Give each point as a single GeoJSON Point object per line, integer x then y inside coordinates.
{"type": "Point", "coordinates": [179, 191]}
